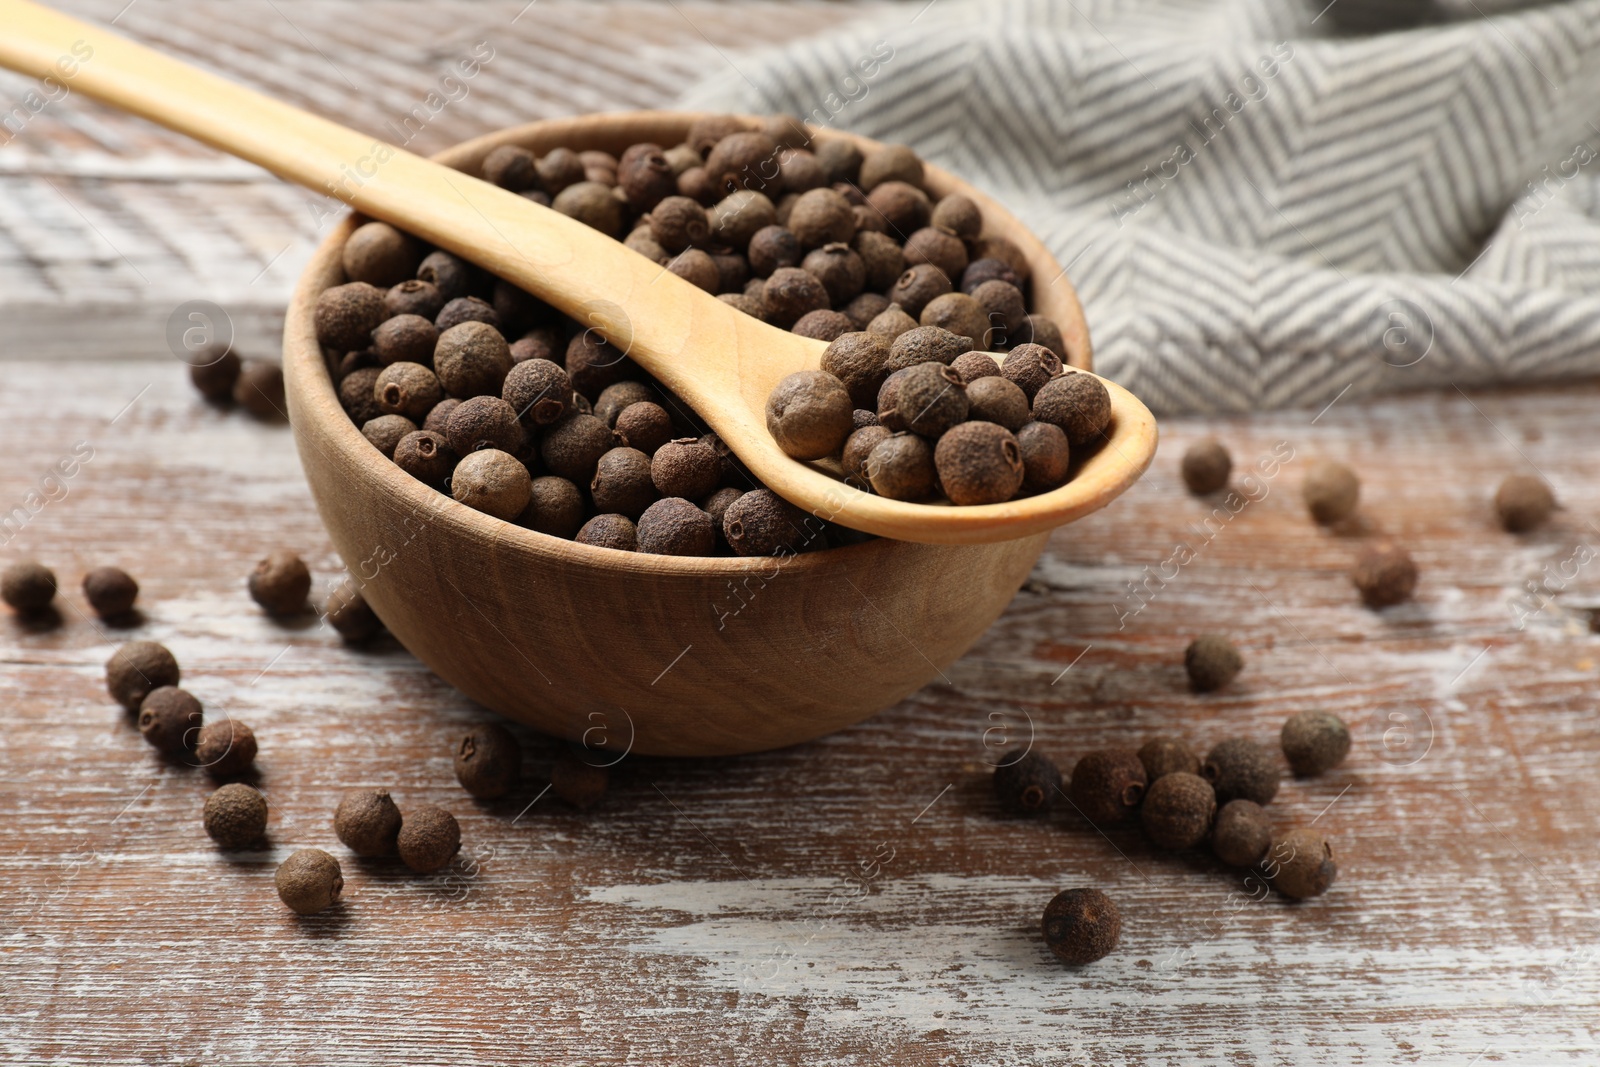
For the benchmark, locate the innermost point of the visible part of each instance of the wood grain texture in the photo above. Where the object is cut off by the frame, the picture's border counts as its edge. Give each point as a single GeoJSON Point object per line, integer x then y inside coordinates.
{"type": "Point", "coordinates": [856, 899]}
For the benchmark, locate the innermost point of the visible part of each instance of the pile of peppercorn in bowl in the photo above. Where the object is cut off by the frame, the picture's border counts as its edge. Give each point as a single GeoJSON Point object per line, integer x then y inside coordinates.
{"type": "Point", "coordinates": [559, 537]}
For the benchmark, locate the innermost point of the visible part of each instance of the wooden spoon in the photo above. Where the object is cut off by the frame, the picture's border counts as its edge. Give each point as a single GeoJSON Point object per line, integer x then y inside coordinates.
{"type": "Point", "coordinates": [719, 360]}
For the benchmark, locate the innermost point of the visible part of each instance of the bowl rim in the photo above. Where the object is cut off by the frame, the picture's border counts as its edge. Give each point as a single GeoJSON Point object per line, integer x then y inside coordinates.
{"type": "Point", "coordinates": [310, 381]}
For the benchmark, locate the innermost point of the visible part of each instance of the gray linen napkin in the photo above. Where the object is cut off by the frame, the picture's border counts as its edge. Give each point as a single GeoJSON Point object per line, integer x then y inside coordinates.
{"type": "Point", "coordinates": [1262, 203]}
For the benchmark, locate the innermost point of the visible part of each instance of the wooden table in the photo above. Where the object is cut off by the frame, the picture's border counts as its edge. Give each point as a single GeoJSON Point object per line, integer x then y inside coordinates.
{"type": "Point", "coordinates": [857, 899]}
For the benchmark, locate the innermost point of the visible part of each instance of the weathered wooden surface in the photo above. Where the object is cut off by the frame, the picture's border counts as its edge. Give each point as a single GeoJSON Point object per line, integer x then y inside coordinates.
{"type": "Point", "coordinates": [852, 900]}
{"type": "Point", "coordinates": [856, 898]}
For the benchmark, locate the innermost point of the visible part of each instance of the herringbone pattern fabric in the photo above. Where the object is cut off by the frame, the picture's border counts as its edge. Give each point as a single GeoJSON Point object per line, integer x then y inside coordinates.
{"type": "Point", "coordinates": [1262, 203]}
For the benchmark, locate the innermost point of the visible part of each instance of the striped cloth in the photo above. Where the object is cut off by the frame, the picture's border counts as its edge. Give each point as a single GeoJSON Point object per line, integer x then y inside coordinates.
{"type": "Point", "coordinates": [1262, 203]}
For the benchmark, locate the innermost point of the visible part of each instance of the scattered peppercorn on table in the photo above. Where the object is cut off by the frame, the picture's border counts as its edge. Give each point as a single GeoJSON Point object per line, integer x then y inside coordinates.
{"type": "Point", "coordinates": [864, 898]}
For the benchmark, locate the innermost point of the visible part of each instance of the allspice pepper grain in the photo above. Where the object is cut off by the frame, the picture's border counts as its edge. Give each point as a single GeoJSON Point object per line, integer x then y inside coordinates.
{"type": "Point", "coordinates": [451, 276]}
{"type": "Point", "coordinates": [1238, 768]}
{"type": "Point", "coordinates": [997, 400]}
{"type": "Point", "coordinates": [1078, 403]}
{"type": "Point", "coordinates": [1206, 466]}
{"type": "Point", "coordinates": [348, 612]}
{"type": "Point", "coordinates": [866, 307]}
{"type": "Point", "coordinates": [739, 216]}
{"type": "Point", "coordinates": [1212, 662]}
{"type": "Point", "coordinates": [346, 315]}
{"type": "Point", "coordinates": [1523, 502]}
{"type": "Point", "coordinates": [482, 422]}
{"type": "Point", "coordinates": [1300, 865]}
{"type": "Point", "coordinates": [309, 881]}
{"type": "Point", "coordinates": [613, 400]}
{"type": "Point", "coordinates": [957, 214]}
{"type": "Point", "coordinates": [622, 484]}
{"type": "Point", "coordinates": [927, 344]}
{"type": "Point", "coordinates": [577, 781]}
{"type": "Point", "coordinates": [170, 719]}
{"type": "Point", "coordinates": [821, 217]}
{"type": "Point", "coordinates": [762, 523]}
{"type": "Point", "coordinates": [1108, 785]}
{"type": "Point", "coordinates": [917, 287]}
{"type": "Point", "coordinates": [426, 455]}
{"type": "Point", "coordinates": [901, 467]}
{"type": "Point", "coordinates": [696, 267]}
{"type": "Point", "coordinates": [1046, 457]}
{"type": "Point", "coordinates": [467, 309]}
{"type": "Point", "coordinates": [978, 463]}
{"type": "Point", "coordinates": [511, 167]}
{"type": "Point", "coordinates": [380, 255]}
{"type": "Point", "coordinates": [1314, 742]}
{"type": "Point", "coordinates": [1026, 782]}
{"type": "Point", "coordinates": [789, 294]}
{"type": "Point", "coordinates": [809, 414]}
{"type": "Point", "coordinates": [986, 269]}
{"type": "Point", "coordinates": [235, 816]}
{"type": "Point", "coordinates": [610, 531]}
{"type": "Point", "coordinates": [28, 587]}
{"type": "Point", "coordinates": [645, 426]}
{"type": "Point", "coordinates": [408, 389]}
{"type": "Point", "coordinates": [471, 359]}
{"type": "Point", "coordinates": [857, 448]}
{"type": "Point", "coordinates": [1006, 311]}
{"type": "Point", "coordinates": [429, 839]}
{"type": "Point", "coordinates": [555, 507]}
{"type": "Point", "coordinates": [1177, 810]}
{"type": "Point", "coordinates": [891, 322]}
{"type": "Point", "coordinates": [882, 260]}
{"type": "Point", "coordinates": [687, 468]}
{"type": "Point", "coordinates": [572, 447]}
{"type": "Point", "coordinates": [857, 359]}
{"type": "Point", "coordinates": [1031, 367]}
{"type": "Point", "coordinates": [488, 761]}
{"type": "Point", "coordinates": [405, 339]}
{"type": "Point", "coordinates": [1242, 833]}
{"type": "Point", "coordinates": [225, 748]}
{"type": "Point", "coordinates": [1385, 575]}
{"type": "Point", "coordinates": [674, 526]}
{"type": "Point", "coordinates": [1330, 490]}
{"type": "Point", "coordinates": [493, 482]}
{"type": "Point", "coordinates": [259, 390]}
{"type": "Point", "coordinates": [137, 668]}
{"type": "Point", "coordinates": [280, 583]}
{"type": "Point", "coordinates": [356, 395]}
{"type": "Point", "coordinates": [930, 400]}
{"type": "Point", "coordinates": [890, 162]}
{"type": "Point", "coordinates": [368, 822]}
{"type": "Point", "coordinates": [823, 325]}
{"type": "Point", "coordinates": [386, 432]}
{"type": "Point", "coordinates": [772, 247]}
{"type": "Point", "coordinates": [1081, 926]}
{"type": "Point", "coordinates": [716, 505]}
{"type": "Point", "coordinates": [592, 204]}
{"type": "Point", "coordinates": [839, 269]}
{"type": "Point", "coordinates": [214, 374]}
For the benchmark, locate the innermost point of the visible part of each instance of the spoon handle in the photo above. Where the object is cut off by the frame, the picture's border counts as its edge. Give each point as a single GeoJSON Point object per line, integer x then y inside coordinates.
{"type": "Point", "coordinates": [637, 304]}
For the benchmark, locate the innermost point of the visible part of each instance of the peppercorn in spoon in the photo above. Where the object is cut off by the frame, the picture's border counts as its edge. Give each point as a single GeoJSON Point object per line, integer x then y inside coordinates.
{"type": "Point", "coordinates": [721, 361]}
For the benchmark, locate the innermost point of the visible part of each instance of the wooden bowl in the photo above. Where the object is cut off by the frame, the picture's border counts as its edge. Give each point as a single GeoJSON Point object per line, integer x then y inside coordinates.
{"type": "Point", "coordinates": [655, 654]}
